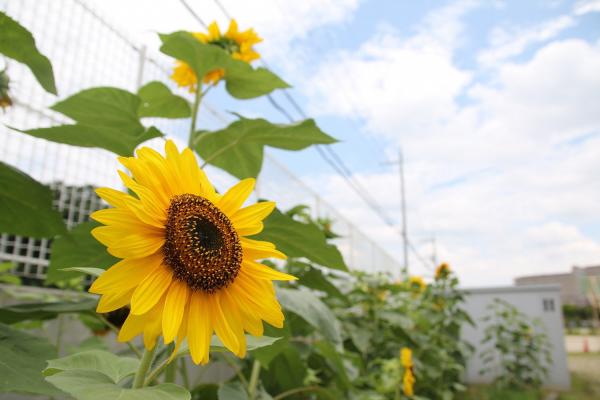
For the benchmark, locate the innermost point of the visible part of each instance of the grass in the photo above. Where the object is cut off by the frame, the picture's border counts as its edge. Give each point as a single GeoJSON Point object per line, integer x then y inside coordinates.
{"type": "Point", "coordinates": [585, 383]}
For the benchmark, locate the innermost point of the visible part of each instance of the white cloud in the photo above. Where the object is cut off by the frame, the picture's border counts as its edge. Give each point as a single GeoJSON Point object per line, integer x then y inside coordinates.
{"type": "Point", "coordinates": [506, 44]}
{"type": "Point", "coordinates": [505, 180]}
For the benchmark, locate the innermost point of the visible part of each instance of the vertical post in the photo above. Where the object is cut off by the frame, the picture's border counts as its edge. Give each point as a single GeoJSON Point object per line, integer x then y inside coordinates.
{"type": "Point", "coordinates": [403, 208]}
{"type": "Point", "coordinates": [141, 64]}
{"type": "Point", "coordinates": [434, 252]}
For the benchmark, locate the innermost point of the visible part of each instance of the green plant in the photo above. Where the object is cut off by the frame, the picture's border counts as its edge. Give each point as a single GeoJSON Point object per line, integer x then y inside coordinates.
{"type": "Point", "coordinates": [517, 349]}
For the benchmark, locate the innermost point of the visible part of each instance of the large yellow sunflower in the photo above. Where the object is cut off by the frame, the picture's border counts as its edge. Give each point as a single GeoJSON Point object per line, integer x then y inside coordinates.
{"type": "Point", "coordinates": [238, 44]}
{"type": "Point", "coordinates": [187, 267]}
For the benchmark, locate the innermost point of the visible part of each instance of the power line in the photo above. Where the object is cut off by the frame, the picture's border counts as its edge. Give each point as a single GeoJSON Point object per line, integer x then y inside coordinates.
{"type": "Point", "coordinates": [191, 11]}
{"type": "Point", "coordinates": [328, 155]}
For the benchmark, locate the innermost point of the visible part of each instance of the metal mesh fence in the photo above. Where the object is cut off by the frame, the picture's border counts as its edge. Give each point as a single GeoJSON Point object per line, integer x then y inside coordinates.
{"type": "Point", "coordinates": [86, 51]}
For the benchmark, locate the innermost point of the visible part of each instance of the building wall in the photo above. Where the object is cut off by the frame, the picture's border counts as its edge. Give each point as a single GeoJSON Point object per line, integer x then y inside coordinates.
{"type": "Point", "coordinates": [529, 300]}
{"type": "Point", "coordinates": [572, 284]}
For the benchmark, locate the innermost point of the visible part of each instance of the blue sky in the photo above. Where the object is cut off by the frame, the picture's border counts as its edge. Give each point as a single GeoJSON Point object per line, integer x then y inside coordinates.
{"type": "Point", "coordinates": [495, 103]}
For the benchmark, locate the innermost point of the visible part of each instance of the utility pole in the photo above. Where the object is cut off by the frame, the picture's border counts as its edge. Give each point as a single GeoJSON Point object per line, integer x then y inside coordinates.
{"type": "Point", "coordinates": [404, 231]}
{"type": "Point", "coordinates": [403, 208]}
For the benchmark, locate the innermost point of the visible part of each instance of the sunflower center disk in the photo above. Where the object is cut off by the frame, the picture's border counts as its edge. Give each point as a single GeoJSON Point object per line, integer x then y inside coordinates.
{"type": "Point", "coordinates": [201, 247]}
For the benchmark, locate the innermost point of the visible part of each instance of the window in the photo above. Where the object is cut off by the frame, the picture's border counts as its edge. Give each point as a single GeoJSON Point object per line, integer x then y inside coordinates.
{"type": "Point", "coordinates": [548, 305]}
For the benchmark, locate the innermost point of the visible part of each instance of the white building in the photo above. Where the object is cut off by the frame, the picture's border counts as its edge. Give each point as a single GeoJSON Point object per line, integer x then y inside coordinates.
{"type": "Point", "coordinates": [536, 301]}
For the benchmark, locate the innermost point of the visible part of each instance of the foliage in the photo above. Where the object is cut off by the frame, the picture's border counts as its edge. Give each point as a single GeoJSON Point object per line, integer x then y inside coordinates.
{"type": "Point", "coordinates": [517, 350]}
{"type": "Point", "coordinates": [343, 331]}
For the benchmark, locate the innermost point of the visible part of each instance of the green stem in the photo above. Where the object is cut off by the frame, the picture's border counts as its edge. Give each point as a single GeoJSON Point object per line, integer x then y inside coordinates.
{"type": "Point", "coordinates": [145, 364]}
{"type": "Point", "coordinates": [296, 391]}
{"type": "Point", "coordinates": [170, 373]}
{"type": "Point", "coordinates": [253, 380]}
{"type": "Point", "coordinates": [195, 108]}
{"type": "Point", "coordinates": [184, 373]}
{"type": "Point", "coordinates": [59, 333]}
{"type": "Point", "coordinates": [157, 371]}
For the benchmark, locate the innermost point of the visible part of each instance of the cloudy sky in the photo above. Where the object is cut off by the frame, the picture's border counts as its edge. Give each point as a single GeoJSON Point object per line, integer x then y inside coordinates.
{"type": "Point", "coordinates": [496, 105]}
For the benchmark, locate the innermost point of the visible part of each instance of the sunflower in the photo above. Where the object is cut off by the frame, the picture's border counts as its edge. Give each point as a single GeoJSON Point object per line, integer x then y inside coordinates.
{"type": "Point", "coordinates": [238, 44]}
{"type": "Point", "coordinates": [187, 267]}
{"type": "Point", "coordinates": [408, 380]}
{"type": "Point", "coordinates": [442, 271]}
{"type": "Point", "coordinates": [5, 100]}
{"type": "Point", "coordinates": [416, 284]}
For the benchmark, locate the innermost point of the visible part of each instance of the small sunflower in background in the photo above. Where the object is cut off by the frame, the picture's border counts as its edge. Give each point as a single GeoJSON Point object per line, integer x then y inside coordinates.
{"type": "Point", "coordinates": [416, 284]}
{"type": "Point", "coordinates": [408, 379]}
{"type": "Point", "coordinates": [442, 271]}
{"type": "Point", "coordinates": [5, 100]}
{"type": "Point", "coordinates": [188, 268]}
{"type": "Point", "coordinates": [238, 44]}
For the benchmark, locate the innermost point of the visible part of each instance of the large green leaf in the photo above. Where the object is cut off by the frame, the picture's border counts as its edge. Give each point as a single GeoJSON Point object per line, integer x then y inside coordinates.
{"type": "Point", "coordinates": [158, 101]}
{"type": "Point", "coordinates": [22, 359]}
{"type": "Point", "coordinates": [107, 363]}
{"type": "Point", "coordinates": [300, 239]}
{"type": "Point", "coordinates": [40, 311]}
{"type": "Point", "coordinates": [105, 117]}
{"type": "Point", "coordinates": [266, 354]}
{"type": "Point", "coordinates": [315, 279]}
{"type": "Point", "coordinates": [26, 205]}
{"type": "Point", "coordinates": [232, 391]}
{"type": "Point", "coordinates": [308, 306]}
{"type": "Point", "coordinates": [94, 385]}
{"type": "Point", "coordinates": [17, 43]}
{"type": "Point", "coordinates": [202, 58]}
{"type": "Point", "coordinates": [238, 149]}
{"type": "Point", "coordinates": [287, 371]}
{"type": "Point", "coordinates": [77, 249]}
{"type": "Point", "coordinates": [335, 362]}
{"type": "Point", "coordinates": [242, 81]}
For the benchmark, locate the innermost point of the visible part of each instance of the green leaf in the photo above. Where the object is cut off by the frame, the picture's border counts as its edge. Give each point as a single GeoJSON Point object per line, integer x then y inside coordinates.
{"type": "Point", "coordinates": [232, 391]}
{"type": "Point", "coordinates": [202, 58]}
{"type": "Point", "coordinates": [266, 354]}
{"type": "Point", "coordinates": [41, 311]}
{"type": "Point", "coordinates": [105, 117]}
{"type": "Point", "coordinates": [308, 306]}
{"type": "Point", "coordinates": [23, 357]}
{"type": "Point", "coordinates": [238, 149]}
{"type": "Point", "coordinates": [252, 342]}
{"type": "Point", "coordinates": [75, 252]}
{"type": "Point", "coordinates": [287, 371]}
{"type": "Point", "coordinates": [334, 360]}
{"type": "Point", "coordinates": [94, 385]}
{"type": "Point", "coordinates": [107, 363]}
{"type": "Point", "coordinates": [88, 271]}
{"type": "Point", "coordinates": [26, 205]}
{"type": "Point", "coordinates": [300, 239]}
{"type": "Point", "coordinates": [17, 43]}
{"type": "Point", "coordinates": [313, 278]}
{"type": "Point", "coordinates": [242, 81]}
{"type": "Point", "coordinates": [158, 101]}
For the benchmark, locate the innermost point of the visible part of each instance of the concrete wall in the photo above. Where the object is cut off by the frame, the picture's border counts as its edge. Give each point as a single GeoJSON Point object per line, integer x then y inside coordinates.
{"type": "Point", "coordinates": [530, 301]}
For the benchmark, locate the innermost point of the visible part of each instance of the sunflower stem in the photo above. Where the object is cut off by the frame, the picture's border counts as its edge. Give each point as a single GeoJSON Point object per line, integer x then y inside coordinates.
{"type": "Point", "coordinates": [145, 364]}
{"type": "Point", "coordinates": [196, 107]}
{"type": "Point", "coordinates": [253, 380]}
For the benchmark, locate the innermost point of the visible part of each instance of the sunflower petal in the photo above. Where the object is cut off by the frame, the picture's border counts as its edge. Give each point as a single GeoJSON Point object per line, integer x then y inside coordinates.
{"type": "Point", "coordinates": [199, 328]}
{"type": "Point", "coordinates": [260, 271]}
{"type": "Point", "coordinates": [150, 290]}
{"type": "Point", "coordinates": [125, 274]}
{"type": "Point", "coordinates": [233, 199]}
{"type": "Point", "coordinates": [252, 214]}
{"type": "Point", "coordinates": [223, 325]}
{"type": "Point", "coordinates": [175, 302]}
